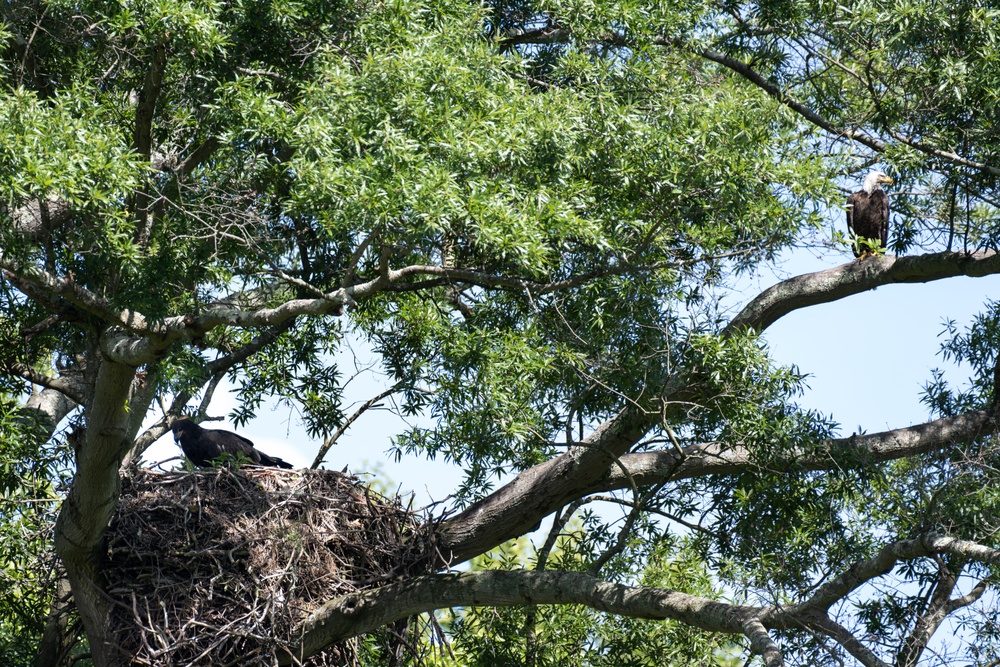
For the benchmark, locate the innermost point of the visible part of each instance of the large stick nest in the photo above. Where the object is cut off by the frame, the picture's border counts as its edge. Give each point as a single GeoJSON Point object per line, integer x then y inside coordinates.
{"type": "Point", "coordinates": [220, 567]}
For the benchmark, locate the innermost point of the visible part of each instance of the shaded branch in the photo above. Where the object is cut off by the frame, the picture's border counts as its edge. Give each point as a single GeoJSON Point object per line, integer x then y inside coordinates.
{"type": "Point", "coordinates": [146, 107]}
{"type": "Point", "coordinates": [941, 605]}
{"type": "Point", "coordinates": [845, 638]}
{"type": "Point", "coordinates": [64, 386]}
{"type": "Point", "coordinates": [142, 138]}
{"type": "Point", "coordinates": [754, 77]}
{"type": "Point", "coordinates": [716, 458]}
{"type": "Point", "coordinates": [363, 611]}
{"type": "Point", "coordinates": [197, 156]}
{"type": "Point", "coordinates": [560, 35]}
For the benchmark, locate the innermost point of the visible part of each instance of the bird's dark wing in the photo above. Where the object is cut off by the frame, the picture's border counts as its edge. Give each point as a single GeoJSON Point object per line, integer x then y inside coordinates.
{"type": "Point", "coordinates": [880, 203]}
{"type": "Point", "coordinates": [237, 444]}
{"type": "Point", "coordinates": [230, 443]}
{"type": "Point", "coordinates": [855, 201]}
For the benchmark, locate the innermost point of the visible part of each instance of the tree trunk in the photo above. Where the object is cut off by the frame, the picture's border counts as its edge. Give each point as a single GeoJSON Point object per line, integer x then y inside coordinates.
{"type": "Point", "coordinates": [55, 644]}
{"type": "Point", "coordinates": [92, 500]}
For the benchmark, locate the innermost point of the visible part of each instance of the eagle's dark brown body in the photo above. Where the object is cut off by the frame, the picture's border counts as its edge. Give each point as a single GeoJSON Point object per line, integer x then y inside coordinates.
{"type": "Point", "coordinates": [202, 445]}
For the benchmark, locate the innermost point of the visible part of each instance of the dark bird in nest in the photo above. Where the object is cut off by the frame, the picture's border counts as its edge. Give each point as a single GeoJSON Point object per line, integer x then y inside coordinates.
{"type": "Point", "coordinates": [202, 445]}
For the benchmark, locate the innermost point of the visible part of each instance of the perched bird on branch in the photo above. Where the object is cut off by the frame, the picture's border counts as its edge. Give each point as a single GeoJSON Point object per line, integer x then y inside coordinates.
{"type": "Point", "coordinates": [202, 445]}
{"type": "Point", "coordinates": [868, 215]}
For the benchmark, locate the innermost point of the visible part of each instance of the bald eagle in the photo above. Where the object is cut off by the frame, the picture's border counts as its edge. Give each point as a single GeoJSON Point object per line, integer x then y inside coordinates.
{"type": "Point", "coordinates": [868, 212]}
{"type": "Point", "coordinates": [202, 445]}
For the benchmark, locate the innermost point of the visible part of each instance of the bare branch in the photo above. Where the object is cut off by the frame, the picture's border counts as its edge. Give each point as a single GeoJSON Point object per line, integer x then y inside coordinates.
{"type": "Point", "coordinates": [716, 458]}
{"type": "Point", "coordinates": [370, 403]}
{"type": "Point", "coordinates": [851, 644]}
{"type": "Point", "coordinates": [352, 263]}
{"type": "Point", "coordinates": [856, 277]}
{"type": "Point", "coordinates": [267, 74]}
{"type": "Point", "coordinates": [937, 610]}
{"type": "Point", "coordinates": [66, 387]}
{"type": "Point", "coordinates": [364, 611]}
{"type": "Point", "coordinates": [762, 644]}
{"type": "Point", "coordinates": [886, 559]}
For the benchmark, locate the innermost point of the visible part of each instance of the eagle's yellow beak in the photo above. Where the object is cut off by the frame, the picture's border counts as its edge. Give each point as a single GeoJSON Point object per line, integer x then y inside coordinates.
{"type": "Point", "coordinates": [884, 179]}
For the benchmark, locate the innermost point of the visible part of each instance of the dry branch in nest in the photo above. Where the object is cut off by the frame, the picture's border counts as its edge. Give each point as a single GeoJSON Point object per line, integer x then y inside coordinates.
{"type": "Point", "coordinates": [219, 567]}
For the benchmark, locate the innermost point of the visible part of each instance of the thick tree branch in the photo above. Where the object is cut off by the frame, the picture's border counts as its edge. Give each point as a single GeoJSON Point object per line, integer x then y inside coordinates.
{"type": "Point", "coordinates": [51, 407]}
{"type": "Point", "coordinates": [518, 507]}
{"type": "Point", "coordinates": [365, 611]}
{"type": "Point", "coordinates": [63, 385]}
{"type": "Point", "coordinates": [532, 495]}
{"type": "Point", "coordinates": [845, 638]}
{"type": "Point", "coordinates": [361, 612]}
{"type": "Point", "coordinates": [92, 499]}
{"type": "Point", "coordinates": [56, 642]}
{"type": "Point", "coordinates": [856, 277]}
{"type": "Point", "coordinates": [714, 458]}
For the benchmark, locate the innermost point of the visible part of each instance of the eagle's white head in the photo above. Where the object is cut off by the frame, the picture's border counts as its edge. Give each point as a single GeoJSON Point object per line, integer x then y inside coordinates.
{"type": "Point", "coordinates": [874, 181]}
